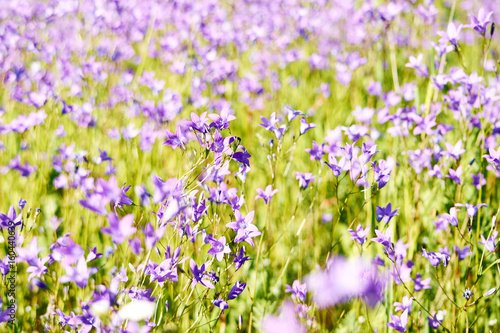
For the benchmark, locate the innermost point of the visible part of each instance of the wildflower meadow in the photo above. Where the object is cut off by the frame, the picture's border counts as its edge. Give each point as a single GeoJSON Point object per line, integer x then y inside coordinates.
{"type": "Point", "coordinates": [283, 166]}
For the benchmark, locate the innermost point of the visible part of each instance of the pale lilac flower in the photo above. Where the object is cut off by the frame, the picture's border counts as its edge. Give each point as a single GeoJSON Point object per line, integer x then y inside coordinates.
{"type": "Point", "coordinates": [454, 151]}
{"type": "Point", "coordinates": [60, 132]}
{"type": "Point", "coordinates": [286, 322]}
{"type": "Point", "coordinates": [360, 234]}
{"type": "Point", "coordinates": [292, 114]}
{"type": "Point", "coordinates": [298, 290]}
{"type": "Point", "coordinates": [37, 268]}
{"type": "Point", "coordinates": [305, 126]}
{"type": "Point", "coordinates": [384, 239]}
{"type": "Point", "coordinates": [416, 63]}
{"type": "Point", "coordinates": [480, 22]}
{"type": "Point", "coordinates": [493, 158]}
{"type": "Point", "coordinates": [399, 323]}
{"type": "Point", "coordinates": [490, 243]}
{"type": "Point", "coordinates": [490, 292]}
{"type": "Point", "coordinates": [471, 209]}
{"type": "Point", "coordinates": [436, 320]}
{"type": "Point", "coordinates": [343, 280]}
{"type": "Point", "coordinates": [405, 305]}
{"type": "Point", "coordinates": [219, 248]}
{"type": "Point", "coordinates": [451, 35]}
{"type": "Point", "coordinates": [421, 284]}
{"type": "Point", "coordinates": [435, 257]}
{"type": "Point", "coordinates": [316, 151]}
{"type": "Point", "coordinates": [478, 180]}
{"type": "Point", "coordinates": [267, 194]}
{"type": "Point", "coordinates": [455, 175]}
{"type": "Point", "coordinates": [120, 229]}
{"type": "Point", "coordinates": [304, 179]}
{"type": "Point", "coordinates": [462, 253]}
{"type": "Point", "coordinates": [79, 274]}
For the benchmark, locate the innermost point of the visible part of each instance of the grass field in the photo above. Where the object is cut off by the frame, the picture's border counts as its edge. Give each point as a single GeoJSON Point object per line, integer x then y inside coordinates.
{"type": "Point", "coordinates": [249, 166]}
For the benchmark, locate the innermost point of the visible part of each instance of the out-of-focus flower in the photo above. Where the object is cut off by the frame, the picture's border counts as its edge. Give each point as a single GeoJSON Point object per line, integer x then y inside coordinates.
{"type": "Point", "coordinates": [345, 279]}
{"type": "Point", "coordinates": [286, 322]}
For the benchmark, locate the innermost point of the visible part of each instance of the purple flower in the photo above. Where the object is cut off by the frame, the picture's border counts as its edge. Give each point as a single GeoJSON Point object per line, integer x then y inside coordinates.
{"type": "Point", "coordinates": [246, 235]}
{"type": "Point", "coordinates": [493, 158]}
{"type": "Point", "coordinates": [334, 165]}
{"type": "Point", "coordinates": [367, 152]}
{"type": "Point", "coordinates": [471, 209]}
{"type": "Point", "coordinates": [343, 280]}
{"type": "Point", "coordinates": [480, 22]}
{"type": "Point", "coordinates": [199, 123]}
{"type": "Point", "coordinates": [236, 290]}
{"type": "Point", "coordinates": [435, 320]}
{"type": "Point", "coordinates": [269, 124]}
{"type": "Point", "coordinates": [304, 126]}
{"type": "Point", "coordinates": [421, 284]}
{"type": "Point", "coordinates": [292, 114]}
{"type": "Point", "coordinates": [405, 305]}
{"type": "Point", "coordinates": [416, 63]}
{"type": "Point", "coordinates": [242, 222]}
{"type": "Point", "coordinates": [95, 202]}
{"type": "Point", "coordinates": [93, 255]}
{"type": "Point", "coordinates": [37, 268]}
{"type": "Point", "coordinates": [382, 171]}
{"type": "Point", "coordinates": [490, 243]}
{"type": "Point", "coordinates": [175, 140]}
{"type": "Point", "coordinates": [455, 175]}
{"type": "Point", "coordinates": [142, 193]}
{"type": "Point", "coordinates": [384, 239]}
{"type": "Point", "coordinates": [435, 172]}
{"type": "Point", "coordinates": [199, 275]}
{"type": "Point", "coordinates": [462, 253]}
{"type": "Point", "coordinates": [120, 229]}
{"type": "Point", "coordinates": [478, 180]}
{"type": "Point", "coordinates": [25, 170]}
{"type": "Point", "coordinates": [240, 259]}
{"type": "Point", "coordinates": [219, 248]}
{"type": "Point", "coordinates": [453, 151]}
{"type": "Point", "coordinates": [221, 121]}
{"type": "Point", "coordinates": [267, 194]}
{"type": "Point", "coordinates": [29, 255]}
{"type": "Point", "coordinates": [450, 218]}
{"type": "Point", "coordinates": [399, 323]}
{"type": "Point", "coordinates": [286, 322]}
{"type": "Point", "coordinates": [374, 88]}
{"type": "Point", "coordinates": [316, 152]}
{"type": "Point", "coordinates": [435, 258]}
{"type": "Point", "coordinates": [451, 35]}
{"type": "Point", "coordinates": [360, 234]}
{"type": "Point", "coordinates": [5, 316]}
{"type": "Point", "coordinates": [152, 236]}
{"type": "Point", "coordinates": [103, 156]}
{"type": "Point", "coordinates": [22, 203]}
{"type": "Point", "coordinates": [304, 179]}
{"type": "Point", "coordinates": [386, 213]}
{"type": "Point", "coordinates": [298, 290]}
{"type": "Point", "coordinates": [402, 271]}
{"type": "Point", "coordinates": [79, 274]}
